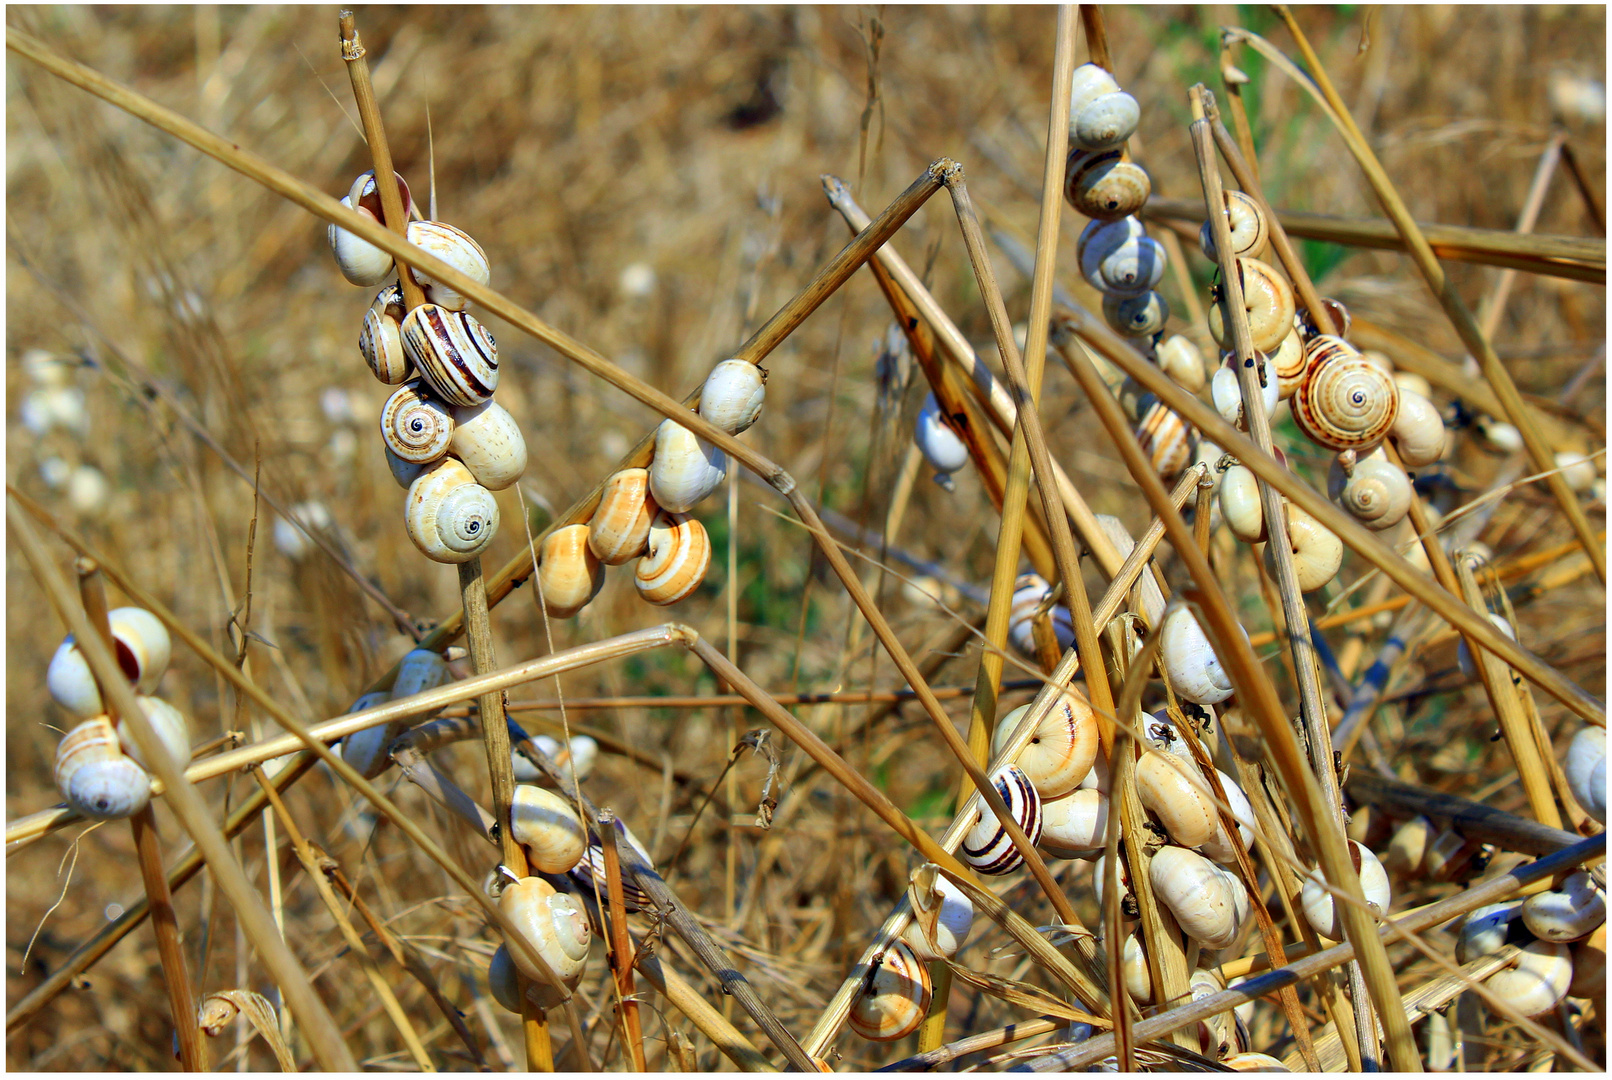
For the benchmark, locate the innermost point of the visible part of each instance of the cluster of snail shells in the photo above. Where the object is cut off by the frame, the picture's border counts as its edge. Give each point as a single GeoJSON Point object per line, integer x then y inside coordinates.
{"type": "Point", "coordinates": [99, 768]}
{"type": "Point", "coordinates": [1562, 935]}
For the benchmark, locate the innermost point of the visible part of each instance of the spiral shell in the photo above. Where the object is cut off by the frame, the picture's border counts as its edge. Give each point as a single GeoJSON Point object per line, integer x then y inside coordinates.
{"type": "Point", "coordinates": [1061, 752]}
{"type": "Point", "coordinates": [553, 923]}
{"type": "Point", "coordinates": [894, 997]}
{"type": "Point", "coordinates": [733, 394]}
{"type": "Point", "coordinates": [1028, 592]}
{"type": "Point", "coordinates": [1585, 766]}
{"type": "Point", "coordinates": [1167, 440]}
{"type": "Point", "coordinates": [1240, 506]}
{"type": "Point", "coordinates": [1417, 430]}
{"type": "Point", "coordinates": [454, 353]}
{"type": "Point", "coordinates": [1249, 230]}
{"type": "Point", "coordinates": [1320, 910]}
{"type": "Point", "coordinates": [95, 776]}
{"type": "Point", "coordinates": [1317, 551]}
{"type": "Point", "coordinates": [1227, 392]}
{"type": "Point", "coordinates": [489, 441]}
{"type": "Point", "coordinates": [1207, 901]}
{"type": "Point", "coordinates": [141, 646]}
{"type": "Point", "coordinates": [1137, 316]}
{"type": "Point", "coordinates": [1377, 493]}
{"type": "Point", "coordinates": [547, 825]}
{"type": "Point", "coordinates": [1099, 185]}
{"type": "Point", "coordinates": [942, 447]}
{"type": "Point", "coordinates": [1075, 826]}
{"type": "Point", "coordinates": [1190, 660]}
{"type": "Point", "coordinates": [1539, 980]}
{"type": "Point", "coordinates": [987, 846]}
{"type": "Point", "coordinates": [1132, 268]}
{"type": "Point", "coordinates": [414, 425]}
{"type": "Point", "coordinates": [1268, 299]}
{"type": "Point", "coordinates": [619, 531]}
{"type": "Point", "coordinates": [1566, 913]}
{"type": "Point", "coordinates": [1291, 364]}
{"type": "Point", "coordinates": [942, 915]}
{"type": "Point", "coordinates": [1099, 239]}
{"type": "Point", "coordinates": [381, 340]}
{"type": "Point", "coordinates": [1174, 790]}
{"type": "Point", "coordinates": [685, 469]}
{"type": "Point", "coordinates": [568, 572]}
{"type": "Point", "coordinates": [172, 729]}
{"type": "Point", "coordinates": [1105, 121]}
{"type": "Point", "coordinates": [454, 247]}
{"type": "Point", "coordinates": [591, 870]}
{"type": "Point", "coordinates": [679, 554]}
{"type": "Point", "coordinates": [1180, 359]}
{"type": "Point", "coordinates": [1345, 402]}
{"type": "Point", "coordinates": [1087, 83]}
{"type": "Point", "coordinates": [449, 516]}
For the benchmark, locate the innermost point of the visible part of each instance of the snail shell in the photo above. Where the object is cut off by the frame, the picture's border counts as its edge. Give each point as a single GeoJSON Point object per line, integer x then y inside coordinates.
{"type": "Point", "coordinates": [172, 729]}
{"type": "Point", "coordinates": [1253, 1062]}
{"type": "Point", "coordinates": [1162, 733]}
{"type": "Point", "coordinates": [1498, 436]}
{"type": "Point", "coordinates": [1408, 845]}
{"type": "Point", "coordinates": [1249, 230]}
{"type": "Point", "coordinates": [1137, 316]}
{"type": "Point", "coordinates": [1132, 268]}
{"type": "Point", "coordinates": [1239, 504]}
{"type": "Point", "coordinates": [553, 923]}
{"type": "Point", "coordinates": [1180, 359]}
{"type": "Point", "coordinates": [1319, 908]}
{"type": "Point", "coordinates": [1585, 766]}
{"type": "Point", "coordinates": [1138, 979]}
{"type": "Point", "coordinates": [1099, 239]}
{"type": "Point", "coordinates": [1190, 660]}
{"type": "Point", "coordinates": [1377, 493]}
{"type": "Point", "coordinates": [1291, 364]}
{"type": "Point", "coordinates": [361, 262]}
{"type": "Point", "coordinates": [1417, 430]}
{"type": "Point", "coordinates": [362, 749]}
{"type": "Point", "coordinates": [1539, 980]}
{"type": "Point", "coordinates": [568, 572]}
{"type": "Point", "coordinates": [1173, 789]}
{"type": "Point", "coordinates": [489, 441]}
{"type": "Point", "coordinates": [1577, 469]}
{"type": "Point", "coordinates": [942, 915]}
{"type": "Point", "coordinates": [95, 776]}
{"type": "Point", "coordinates": [1317, 551]}
{"type": "Point", "coordinates": [987, 846]}
{"type": "Point", "coordinates": [1105, 121]}
{"type": "Point", "coordinates": [449, 516]}
{"type": "Point", "coordinates": [454, 352]}
{"type": "Point", "coordinates": [894, 997]}
{"type": "Point", "coordinates": [942, 447]}
{"type": "Point", "coordinates": [591, 870]}
{"type": "Point", "coordinates": [415, 426]}
{"type": "Point", "coordinates": [1345, 402]}
{"type": "Point", "coordinates": [732, 395]}
{"type": "Point", "coordinates": [454, 247]}
{"type": "Point", "coordinates": [548, 827]}
{"type": "Point", "coordinates": [1219, 847]}
{"type": "Point", "coordinates": [381, 340]}
{"type": "Point", "coordinates": [1028, 592]}
{"type": "Point", "coordinates": [1099, 880]}
{"type": "Point", "coordinates": [419, 670]}
{"type": "Point", "coordinates": [141, 646]}
{"type": "Point", "coordinates": [1487, 929]}
{"type": "Point", "coordinates": [1075, 826]}
{"type": "Point", "coordinates": [685, 469]}
{"type": "Point", "coordinates": [1208, 902]}
{"type": "Point", "coordinates": [1061, 752]}
{"type": "Point", "coordinates": [576, 757]}
{"type": "Point", "coordinates": [1304, 322]}
{"type": "Point", "coordinates": [1268, 299]}
{"type": "Point", "coordinates": [1086, 84]}
{"type": "Point", "coordinates": [1463, 655]}
{"type": "Point", "coordinates": [501, 980]}
{"type": "Point", "coordinates": [1100, 185]}
{"type": "Point", "coordinates": [1167, 440]}
{"type": "Point", "coordinates": [679, 554]}
{"type": "Point", "coordinates": [1566, 913]}
{"type": "Point", "coordinates": [1407, 381]}
{"type": "Point", "coordinates": [404, 472]}
{"type": "Point", "coordinates": [1227, 392]}
{"type": "Point", "coordinates": [619, 531]}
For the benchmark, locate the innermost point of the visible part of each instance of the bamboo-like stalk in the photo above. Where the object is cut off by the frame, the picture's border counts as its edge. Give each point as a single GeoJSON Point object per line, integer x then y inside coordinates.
{"type": "Point", "coordinates": [621, 950]}
{"type": "Point", "coordinates": [1091, 19]}
{"type": "Point", "coordinates": [1474, 820]}
{"type": "Point", "coordinates": [1494, 304]}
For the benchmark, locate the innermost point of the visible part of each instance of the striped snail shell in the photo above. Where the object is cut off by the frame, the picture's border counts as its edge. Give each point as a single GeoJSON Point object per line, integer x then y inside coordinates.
{"type": "Point", "coordinates": [1249, 230]}
{"type": "Point", "coordinates": [1174, 790]}
{"type": "Point", "coordinates": [1540, 979]}
{"type": "Point", "coordinates": [591, 870]}
{"type": "Point", "coordinates": [942, 915]}
{"type": "Point", "coordinates": [454, 247]}
{"type": "Point", "coordinates": [733, 394]}
{"type": "Point", "coordinates": [141, 646]}
{"type": "Point", "coordinates": [1208, 902]}
{"type": "Point", "coordinates": [1099, 239]}
{"type": "Point", "coordinates": [568, 572]}
{"type": "Point", "coordinates": [942, 447]}
{"type": "Point", "coordinates": [1105, 121]}
{"type": "Point", "coordinates": [547, 825]}
{"type": "Point", "coordinates": [1317, 551]}
{"type": "Point", "coordinates": [1374, 491]}
{"type": "Point", "coordinates": [95, 776]}
{"type": "Point", "coordinates": [1345, 402]}
{"type": "Point", "coordinates": [1268, 299]}
{"type": "Point", "coordinates": [1227, 392]}
{"type": "Point", "coordinates": [1100, 185]}
{"type": "Point", "coordinates": [381, 340]}
{"type": "Point", "coordinates": [1132, 268]}
{"type": "Point", "coordinates": [1028, 592]}
{"type": "Point", "coordinates": [1076, 825]}
{"type": "Point", "coordinates": [489, 441]}
{"type": "Point", "coordinates": [619, 531]}
{"type": "Point", "coordinates": [987, 846]}
{"type": "Point", "coordinates": [553, 923]}
{"type": "Point", "coordinates": [1138, 316]}
{"type": "Point", "coordinates": [1180, 359]}
{"type": "Point", "coordinates": [679, 554]}
{"type": "Point", "coordinates": [1418, 430]}
{"type": "Point", "coordinates": [172, 729]}
{"type": "Point", "coordinates": [1319, 909]}
{"type": "Point", "coordinates": [1190, 661]}
{"type": "Point", "coordinates": [685, 469]}
{"type": "Point", "coordinates": [1240, 506]}
{"type": "Point", "coordinates": [1167, 440]}
{"type": "Point", "coordinates": [449, 516]}
{"type": "Point", "coordinates": [1585, 766]}
{"type": "Point", "coordinates": [894, 997]}
{"type": "Point", "coordinates": [1291, 364]}
{"type": "Point", "coordinates": [1304, 322]}
{"type": "Point", "coordinates": [1061, 752]}
{"type": "Point", "coordinates": [454, 352]}
{"type": "Point", "coordinates": [414, 425]}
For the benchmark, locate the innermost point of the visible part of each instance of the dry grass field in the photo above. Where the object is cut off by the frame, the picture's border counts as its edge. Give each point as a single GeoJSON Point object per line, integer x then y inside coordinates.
{"type": "Point", "coordinates": [648, 181]}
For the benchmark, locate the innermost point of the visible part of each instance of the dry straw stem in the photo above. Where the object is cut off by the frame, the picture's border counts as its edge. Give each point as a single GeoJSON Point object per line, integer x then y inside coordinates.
{"type": "Point", "coordinates": [692, 1004]}
{"type": "Point", "coordinates": [1449, 299]}
{"type": "Point", "coordinates": [621, 950]}
{"type": "Point", "coordinates": [1473, 820]}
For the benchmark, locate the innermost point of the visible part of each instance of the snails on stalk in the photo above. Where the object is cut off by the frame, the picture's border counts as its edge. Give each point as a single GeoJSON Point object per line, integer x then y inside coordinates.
{"type": "Point", "coordinates": [1373, 490]}
{"type": "Point", "coordinates": [1101, 185]}
{"type": "Point", "coordinates": [568, 572]}
{"type": "Point", "coordinates": [453, 351]}
{"type": "Point", "coordinates": [141, 646]}
{"type": "Point", "coordinates": [987, 846]}
{"type": "Point", "coordinates": [1317, 551]}
{"type": "Point", "coordinates": [554, 924]}
{"type": "Point", "coordinates": [619, 529]}
{"type": "Point", "coordinates": [685, 469]}
{"type": "Point", "coordinates": [942, 915]}
{"type": "Point", "coordinates": [1207, 901]}
{"type": "Point", "coordinates": [1190, 661]}
{"type": "Point", "coordinates": [546, 824]}
{"type": "Point", "coordinates": [95, 776]}
{"type": "Point", "coordinates": [1320, 910]}
{"type": "Point", "coordinates": [449, 516]}
{"type": "Point", "coordinates": [361, 262]}
{"type": "Point", "coordinates": [414, 425]}
{"type": "Point", "coordinates": [489, 442]}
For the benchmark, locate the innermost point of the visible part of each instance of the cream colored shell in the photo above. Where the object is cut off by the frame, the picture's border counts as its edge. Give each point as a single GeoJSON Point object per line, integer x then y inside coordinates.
{"type": "Point", "coordinates": [547, 825]}
{"type": "Point", "coordinates": [1317, 552]}
{"type": "Point", "coordinates": [1321, 910]}
{"type": "Point", "coordinates": [141, 647]}
{"type": "Point", "coordinates": [568, 572]}
{"type": "Point", "coordinates": [449, 516]}
{"type": "Point", "coordinates": [1101, 185]}
{"type": "Point", "coordinates": [1074, 826]}
{"type": "Point", "coordinates": [1540, 979]}
{"type": "Point", "coordinates": [553, 923]}
{"type": "Point", "coordinates": [94, 775]}
{"type": "Point", "coordinates": [1240, 505]}
{"type": "Point", "coordinates": [1190, 661]}
{"type": "Point", "coordinates": [489, 441]}
{"type": "Point", "coordinates": [172, 729]}
{"type": "Point", "coordinates": [454, 247]}
{"type": "Point", "coordinates": [685, 469]}
{"type": "Point", "coordinates": [679, 554]}
{"type": "Point", "coordinates": [894, 997]}
{"type": "Point", "coordinates": [1173, 789]}
{"type": "Point", "coordinates": [1249, 230]}
{"type": "Point", "coordinates": [1268, 300]}
{"type": "Point", "coordinates": [1207, 901]}
{"type": "Point", "coordinates": [1061, 752]}
{"type": "Point", "coordinates": [733, 394]}
{"type": "Point", "coordinates": [1418, 430]}
{"type": "Point", "coordinates": [942, 915]}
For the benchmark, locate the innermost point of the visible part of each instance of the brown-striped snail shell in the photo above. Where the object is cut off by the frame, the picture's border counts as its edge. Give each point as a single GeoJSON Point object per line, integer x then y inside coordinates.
{"type": "Point", "coordinates": [1463, 655]}
{"type": "Point", "coordinates": [894, 997]}
{"type": "Point", "coordinates": [449, 516]}
{"type": "Point", "coordinates": [489, 441]}
{"type": "Point", "coordinates": [1585, 766]}
{"type": "Point", "coordinates": [454, 247]}
{"type": "Point", "coordinates": [172, 729]}
{"type": "Point", "coordinates": [1566, 913]}
{"type": "Point", "coordinates": [1291, 364]}
{"type": "Point", "coordinates": [1268, 300]}
{"type": "Point", "coordinates": [619, 531]}
{"type": "Point", "coordinates": [942, 915]}
{"type": "Point", "coordinates": [1317, 551]}
{"type": "Point", "coordinates": [1417, 430]}
{"type": "Point", "coordinates": [553, 923]}
{"type": "Point", "coordinates": [1227, 393]}
{"type": "Point", "coordinates": [591, 870]}
{"type": "Point", "coordinates": [1249, 230]}
{"type": "Point", "coordinates": [414, 425]}
{"type": "Point", "coordinates": [95, 776]}
{"type": "Point", "coordinates": [1131, 268]}
{"type": "Point", "coordinates": [381, 340]}
{"type": "Point", "coordinates": [1240, 506]}
{"type": "Point", "coordinates": [1374, 491]}
{"type": "Point", "coordinates": [1539, 979]}
{"type": "Point", "coordinates": [1137, 316]}
{"type": "Point", "coordinates": [141, 646]}
{"type": "Point", "coordinates": [1345, 402]}
{"type": "Point", "coordinates": [1190, 660]}
{"type": "Point", "coordinates": [685, 469]}
{"type": "Point", "coordinates": [1167, 440]}
{"type": "Point", "coordinates": [1099, 239]}
{"type": "Point", "coordinates": [361, 262]}
{"type": "Point", "coordinates": [1028, 593]}
{"type": "Point", "coordinates": [1173, 789]}
{"type": "Point", "coordinates": [1100, 185]}
{"type": "Point", "coordinates": [986, 846]}
{"type": "Point", "coordinates": [1208, 902]}
{"type": "Point", "coordinates": [454, 353]}
{"type": "Point", "coordinates": [568, 572]}
{"type": "Point", "coordinates": [547, 825]}
{"type": "Point", "coordinates": [1061, 752]}
{"type": "Point", "coordinates": [1074, 826]}
{"type": "Point", "coordinates": [1322, 912]}
{"type": "Point", "coordinates": [1305, 324]}
{"type": "Point", "coordinates": [1180, 359]}
{"type": "Point", "coordinates": [733, 394]}
{"type": "Point", "coordinates": [942, 447]}
{"type": "Point", "coordinates": [679, 554]}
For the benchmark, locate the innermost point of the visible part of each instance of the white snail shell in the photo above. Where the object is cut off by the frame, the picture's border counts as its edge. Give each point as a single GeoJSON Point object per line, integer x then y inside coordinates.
{"type": "Point", "coordinates": [1061, 752]}
{"type": "Point", "coordinates": [361, 262]}
{"type": "Point", "coordinates": [1377, 493]}
{"type": "Point", "coordinates": [1076, 825]}
{"type": "Point", "coordinates": [1086, 84]}
{"type": "Point", "coordinates": [363, 749]}
{"type": "Point", "coordinates": [1227, 392]}
{"type": "Point", "coordinates": [733, 394]}
{"type": "Point", "coordinates": [1291, 364]}
{"type": "Point", "coordinates": [381, 340]}
{"type": "Point", "coordinates": [942, 915]}
{"type": "Point", "coordinates": [1219, 847]}
{"type": "Point", "coordinates": [894, 998]}
{"type": "Point", "coordinates": [685, 470]}
{"type": "Point", "coordinates": [414, 425]}
{"type": "Point", "coordinates": [1499, 436]}
{"type": "Point", "coordinates": [1566, 913]}
{"type": "Point", "coordinates": [679, 554]}
{"type": "Point", "coordinates": [1028, 592]}
{"type": "Point", "coordinates": [95, 776]}
{"type": "Point", "coordinates": [987, 847]}
{"type": "Point", "coordinates": [489, 441]}
{"type": "Point", "coordinates": [552, 922]}
{"type": "Point", "coordinates": [1253, 1062]}
{"type": "Point", "coordinates": [1138, 979]}
{"type": "Point", "coordinates": [1137, 316]}
{"type": "Point", "coordinates": [1268, 299]}
{"type": "Point", "coordinates": [1417, 430]}
{"type": "Point", "coordinates": [1539, 980]}
{"type": "Point", "coordinates": [1099, 878]}
{"type": "Point", "coordinates": [1577, 469]}
{"type": "Point", "coordinates": [1321, 911]}
{"type": "Point", "coordinates": [1162, 733]}
{"type": "Point", "coordinates": [578, 756]}
{"type": "Point", "coordinates": [568, 572]}
{"type": "Point", "coordinates": [404, 472]}
{"type": "Point", "coordinates": [1106, 121]}
{"type": "Point", "coordinates": [1249, 230]}
{"type": "Point", "coordinates": [172, 729]}
{"type": "Point", "coordinates": [454, 247]}
{"type": "Point", "coordinates": [1317, 551]}
{"type": "Point", "coordinates": [1100, 185]}
{"type": "Point", "coordinates": [1099, 239]}
{"type": "Point", "coordinates": [1408, 381]}
{"type": "Point", "coordinates": [1180, 359]}
{"type": "Point", "coordinates": [1173, 789]}
{"type": "Point", "coordinates": [1585, 766]}
{"type": "Point", "coordinates": [1207, 901]}
{"type": "Point", "coordinates": [141, 647]}
{"type": "Point", "coordinates": [1486, 930]}
{"type": "Point", "coordinates": [942, 447]}
{"type": "Point", "coordinates": [1408, 845]}
{"type": "Point", "coordinates": [1167, 440]}
{"type": "Point", "coordinates": [1190, 660]}
{"type": "Point", "coordinates": [449, 516]}
{"type": "Point", "coordinates": [419, 670]}
{"type": "Point", "coordinates": [1240, 506]}
{"type": "Point", "coordinates": [501, 980]}
{"type": "Point", "coordinates": [591, 870]}
{"type": "Point", "coordinates": [1463, 655]}
{"type": "Point", "coordinates": [548, 827]}
{"type": "Point", "coordinates": [619, 531]}
{"type": "Point", "coordinates": [1345, 401]}
{"type": "Point", "coordinates": [454, 353]}
{"type": "Point", "coordinates": [1132, 268]}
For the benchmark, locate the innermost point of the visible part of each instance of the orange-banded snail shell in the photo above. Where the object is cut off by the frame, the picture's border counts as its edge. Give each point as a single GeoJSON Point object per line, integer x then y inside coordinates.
{"type": "Point", "coordinates": [1167, 440]}
{"type": "Point", "coordinates": [1061, 752]}
{"type": "Point", "coordinates": [1345, 402]}
{"type": "Point", "coordinates": [489, 441]}
{"type": "Point", "coordinates": [449, 516]}
{"type": "Point", "coordinates": [894, 997]}
{"type": "Point", "coordinates": [95, 776]}
{"type": "Point", "coordinates": [1249, 230]}
{"type": "Point", "coordinates": [1268, 300]}
{"type": "Point", "coordinates": [619, 531]}
{"type": "Point", "coordinates": [454, 247]}
{"type": "Point", "coordinates": [679, 553]}
{"type": "Point", "coordinates": [987, 846]}
{"type": "Point", "coordinates": [454, 352]}
{"type": "Point", "coordinates": [685, 468]}
{"type": "Point", "coordinates": [554, 925]}
{"type": "Point", "coordinates": [1317, 551]}
{"type": "Point", "coordinates": [141, 646]}
{"type": "Point", "coordinates": [568, 572]}
{"type": "Point", "coordinates": [1291, 364]}
{"type": "Point", "coordinates": [1138, 316]}
{"type": "Point", "coordinates": [547, 825]}
{"type": "Point", "coordinates": [1374, 490]}
{"type": "Point", "coordinates": [1099, 185]}
{"type": "Point", "coordinates": [381, 340]}
{"type": "Point", "coordinates": [414, 425]}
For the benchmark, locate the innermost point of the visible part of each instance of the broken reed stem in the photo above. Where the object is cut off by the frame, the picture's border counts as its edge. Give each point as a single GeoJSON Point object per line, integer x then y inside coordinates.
{"type": "Point", "coordinates": [621, 952]}
{"type": "Point", "coordinates": [1233, 78]}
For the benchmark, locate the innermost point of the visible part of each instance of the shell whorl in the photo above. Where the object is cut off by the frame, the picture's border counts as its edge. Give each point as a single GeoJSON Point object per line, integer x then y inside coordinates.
{"type": "Point", "coordinates": [415, 426]}
{"type": "Point", "coordinates": [1377, 493]}
{"type": "Point", "coordinates": [1137, 316]}
{"type": "Point", "coordinates": [1100, 185]}
{"type": "Point", "coordinates": [380, 343]}
{"type": "Point", "coordinates": [1167, 440]}
{"type": "Point", "coordinates": [95, 776]}
{"type": "Point", "coordinates": [679, 553]}
{"type": "Point", "coordinates": [1061, 751]}
{"type": "Point", "coordinates": [552, 922]}
{"type": "Point", "coordinates": [568, 572]}
{"type": "Point", "coordinates": [1249, 230]}
{"type": "Point", "coordinates": [894, 998]}
{"type": "Point", "coordinates": [619, 530]}
{"type": "Point", "coordinates": [449, 516]}
{"type": "Point", "coordinates": [1268, 300]}
{"type": "Point", "coordinates": [547, 825]}
{"type": "Point", "coordinates": [1346, 402]}
{"type": "Point", "coordinates": [987, 847]}
{"type": "Point", "coordinates": [454, 353]}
